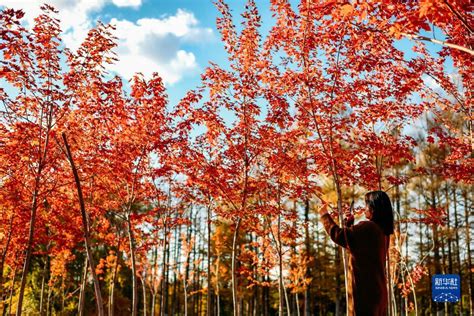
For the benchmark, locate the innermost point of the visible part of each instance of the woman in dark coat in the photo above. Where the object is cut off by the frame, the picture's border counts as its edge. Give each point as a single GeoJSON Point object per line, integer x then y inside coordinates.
{"type": "Point", "coordinates": [367, 244]}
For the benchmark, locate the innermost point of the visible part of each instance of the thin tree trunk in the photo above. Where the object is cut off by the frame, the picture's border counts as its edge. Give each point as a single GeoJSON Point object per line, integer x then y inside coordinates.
{"type": "Point", "coordinates": [4, 256]}
{"type": "Point", "coordinates": [85, 226]}
{"type": "Point", "coordinates": [280, 271]}
{"type": "Point", "coordinates": [341, 220]}
{"type": "Point", "coordinates": [12, 289]}
{"type": "Point", "coordinates": [308, 255]}
{"type": "Point", "coordinates": [167, 271]}
{"type": "Point", "coordinates": [267, 295]}
{"type": "Point", "coordinates": [63, 293]}
{"type": "Point", "coordinates": [286, 299]}
{"type": "Point", "coordinates": [294, 300]}
{"type": "Point", "coordinates": [82, 292]}
{"type": "Point", "coordinates": [48, 304]}
{"type": "Point", "coordinates": [389, 278]}
{"type": "Point", "coordinates": [437, 257]}
{"type": "Point", "coordinates": [467, 210]}
{"type": "Point", "coordinates": [254, 238]}
{"type": "Point", "coordinates": [185, 288]}
{"type": "Point", "coordinates": [218, 298]}
{"type": "Point", "coordinates": [448, 204]}
{"type": "Point", "coordinates": [429, 271]}
{"type": "Point", "coordinates": [131, 241]}
{"type": "Point", "coordinates": [406, 206]}
{"type": "Point", "coordinates": [43, 284]}
{"type": "Point", "coordinates": [209, 283]}
{"type": "Point", "coordinates": [195, 272]}
{"type": "Point", "coordinates": [233, 268]}
{"type": "Point", "coordinates": [297, 300]}
{"type": "Point", "coordinates": [144, 295]}
{"type": "Point", "coordinates": [456, 229]}
{"type": "Point", "coordinates": [404, 301]}
{"type": "Point", "coordinates": [186, 272]}
{"type": "Point", "coordinates": [153, 303]}
{"type": "Point", "coordinates": [176, 306]}
{"type": "Point", "coordinates": [337, 259]}
{"type": "Point", "coordinates": [153, 278]}
{"type": "Point", "coordinates": [112, 282]}
{"type": "Point", "coordinates": [163, 310]}
{"type": "Point", "coordinates": [442, 242]}
{"type": "Point", "coordinates": [200, 286]}
{"type": "Point", "coordinates": [281, 286]}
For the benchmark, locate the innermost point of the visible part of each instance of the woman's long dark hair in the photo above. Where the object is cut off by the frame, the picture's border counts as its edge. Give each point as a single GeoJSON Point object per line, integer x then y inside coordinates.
{"type": "Point", "coordinates": [382, 212]}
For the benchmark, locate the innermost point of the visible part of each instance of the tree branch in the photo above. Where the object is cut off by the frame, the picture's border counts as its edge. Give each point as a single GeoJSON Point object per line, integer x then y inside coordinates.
{"type": "Point", "coordinates": [443, 43]}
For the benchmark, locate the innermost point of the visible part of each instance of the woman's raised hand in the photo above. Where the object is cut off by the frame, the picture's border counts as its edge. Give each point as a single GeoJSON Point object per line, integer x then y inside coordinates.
{"type": "Point", "coordinates": [324, 208]}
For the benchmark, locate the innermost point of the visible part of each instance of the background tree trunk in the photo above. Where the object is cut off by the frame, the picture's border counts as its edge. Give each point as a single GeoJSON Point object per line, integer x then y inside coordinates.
{"type": "Point", "coordinates": [131, 241]}
{"type": "Point", "coordinates": [82, 291]}
{"type": "Point", "coordinates": [233, 268]}
{"type": "Point", "coordinates": [2, 259]}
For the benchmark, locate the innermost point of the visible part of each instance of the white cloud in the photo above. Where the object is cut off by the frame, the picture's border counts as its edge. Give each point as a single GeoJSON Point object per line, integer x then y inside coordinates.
{"type": "Point", "coordinates": [127, 3]}
{"type": "Point", "coordinates": [147, 45]}
{"type": "Point", "coordinates": [151, 44]}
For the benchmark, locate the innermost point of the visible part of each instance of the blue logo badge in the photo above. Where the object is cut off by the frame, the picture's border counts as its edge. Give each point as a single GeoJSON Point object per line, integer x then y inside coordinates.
{"type": "Point", "coordinates": [445, 287]}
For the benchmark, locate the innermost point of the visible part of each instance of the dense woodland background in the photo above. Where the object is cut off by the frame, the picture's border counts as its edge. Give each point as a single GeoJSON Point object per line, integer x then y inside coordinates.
{"type": "Point", "coordinates": [115, 202]}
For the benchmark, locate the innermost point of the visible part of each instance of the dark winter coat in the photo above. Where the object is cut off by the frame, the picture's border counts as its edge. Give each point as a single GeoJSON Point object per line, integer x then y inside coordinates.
{"type": "Point", "coordinates": [366, 285]}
